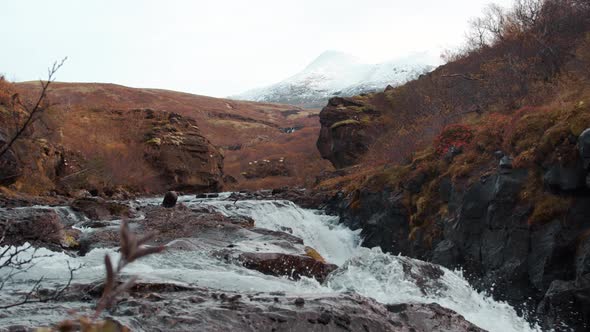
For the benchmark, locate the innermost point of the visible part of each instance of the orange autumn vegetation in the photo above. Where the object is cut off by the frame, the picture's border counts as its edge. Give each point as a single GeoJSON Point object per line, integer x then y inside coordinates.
{"type": "Point", "coordinates": [533, 136]}
{"type": "Point", "coordinates": [95, 123]}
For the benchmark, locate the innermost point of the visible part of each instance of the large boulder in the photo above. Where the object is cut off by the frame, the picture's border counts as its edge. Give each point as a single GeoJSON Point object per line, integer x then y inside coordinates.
{"type": "Point", "coordinates": [185, 159]}
{"type": "Point", "coordinates": [97, 208]}
{"type": "Point", "coordinates": [38, 227]}
{"type": "Point", "coordinates": [567, 303]}
{"type": "Point", "coordinates": [293, 266]}
{"type": "Point", "coordinates": [170, 199]}
{"type": "Point", "coordinates": [347, 131]}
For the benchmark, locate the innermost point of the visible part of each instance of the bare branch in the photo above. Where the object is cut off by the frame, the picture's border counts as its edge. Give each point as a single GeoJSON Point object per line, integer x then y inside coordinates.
{"type": "Point", "coordinates": [37, 108]}
{"type": "Point", "coordinates": [132, 248]}
{"type": "Point", "coordinates": [56, 294]}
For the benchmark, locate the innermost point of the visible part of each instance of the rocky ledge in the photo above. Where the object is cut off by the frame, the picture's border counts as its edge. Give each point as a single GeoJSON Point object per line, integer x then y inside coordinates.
{"type": "Point", "coordinates": [347, 130]}
{"type": "Point", "coordinates": [173, 307]}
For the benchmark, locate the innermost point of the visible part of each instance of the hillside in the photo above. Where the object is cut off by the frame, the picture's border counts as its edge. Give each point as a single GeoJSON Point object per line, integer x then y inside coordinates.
{"type": "Point", "coordinates": [339, 74]}
{"type": "Point", "coordinates": [481, 164]}
{"type": "Point", "coordinates": [102, 124]}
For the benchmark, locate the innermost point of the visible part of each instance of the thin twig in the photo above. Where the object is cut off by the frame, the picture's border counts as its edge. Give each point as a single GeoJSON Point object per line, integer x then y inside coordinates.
{"type": "Point", "coordinates": [37, 108]}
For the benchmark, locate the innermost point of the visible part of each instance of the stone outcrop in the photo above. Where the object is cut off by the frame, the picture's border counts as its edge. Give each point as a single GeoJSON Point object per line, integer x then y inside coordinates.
{"type": "Point", "coordinates": [267, 167]}
{"type": "Point", "coordinates": [346, 132]}
{"type": "Point", "coordinates": [174, 307]}
{"type": "Point", "coordinates": [136, 150]}
{"type": "Point", "coordinates": [97, 208]}
{"type": "Point", "coordinates": [185, 159]}
{"type": "Point", "coordinates": [305, 198]}
{"type": "Point", "coordinates": [538, 266]}
{"type": "Point", "coordinates": [41, 227]}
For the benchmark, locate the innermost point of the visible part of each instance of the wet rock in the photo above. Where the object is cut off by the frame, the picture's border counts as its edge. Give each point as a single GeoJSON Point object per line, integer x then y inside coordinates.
{"type": "Point", "coordinates": [95, 224]}
{"type": "Point", "coordinates": [39, 227]}
{"type": "Point", "coordinates": [170, 199]}
{"type": "Point", "coordinates": [382, 218]}
{"type": "Point", "coordinates": [446, 253]}
{"type": "Point", "coordinates": [567, 303]}
{"type": "Point", "coordinates": [265, 312]}
{"type": "Point", "coordinates": [584, 147]}
{"type": "Point", "coordinates": [207, 195]}
{"type": "Point", "coordinates": [293, 266]}
{"type": "Point", "coordinates": [167, 307]}
{"type": "Point", "coordinates": [100, 209]}
{"type": "Point", "coordinates": [565, 177]}
{"type": "Point", "coordinates": [304, 198]}
{"type": "Point", "coordinates": [505, 162]}
{"type": "Point", "coordinates": [108, 237]}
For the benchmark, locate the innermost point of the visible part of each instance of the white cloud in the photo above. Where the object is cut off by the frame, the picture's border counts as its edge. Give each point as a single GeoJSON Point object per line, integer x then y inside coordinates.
{"type": "Point", "coordinates": [216, 48]}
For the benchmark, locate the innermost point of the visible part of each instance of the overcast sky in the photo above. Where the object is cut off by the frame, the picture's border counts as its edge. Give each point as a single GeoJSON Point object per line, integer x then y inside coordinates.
{"type": "Point", "coordinates": [219, 47]}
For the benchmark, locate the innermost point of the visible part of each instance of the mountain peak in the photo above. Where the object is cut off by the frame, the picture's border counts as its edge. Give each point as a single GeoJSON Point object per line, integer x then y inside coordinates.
{"type": "Point", "coordinates": [335, 73]}
{"type": "Point", "coordinates": [332, 58]}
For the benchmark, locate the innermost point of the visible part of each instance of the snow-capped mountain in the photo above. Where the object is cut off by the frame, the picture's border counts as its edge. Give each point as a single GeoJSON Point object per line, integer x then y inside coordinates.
{"type": "Point", "coordinates": [339, 74]}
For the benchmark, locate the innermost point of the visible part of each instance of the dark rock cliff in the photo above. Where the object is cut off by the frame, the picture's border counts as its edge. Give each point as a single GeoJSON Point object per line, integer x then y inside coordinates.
{"type": "Point", "coordinates": [538, 267]}
{"type": "Point", "coordinates": [346, 133]}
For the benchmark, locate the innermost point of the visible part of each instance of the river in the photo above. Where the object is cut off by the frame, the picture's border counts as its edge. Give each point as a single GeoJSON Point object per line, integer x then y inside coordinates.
{"type": "Point", "coordinates": [368, 272]}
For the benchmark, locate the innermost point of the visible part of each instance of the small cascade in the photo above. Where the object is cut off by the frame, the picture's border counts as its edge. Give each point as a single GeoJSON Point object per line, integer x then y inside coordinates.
{"type": "Point", "coordinates": [386, 278]}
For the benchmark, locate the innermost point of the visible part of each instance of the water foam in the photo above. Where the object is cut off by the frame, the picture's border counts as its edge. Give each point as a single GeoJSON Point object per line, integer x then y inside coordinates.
{"type": "Point", "coordinates": [368, 272]}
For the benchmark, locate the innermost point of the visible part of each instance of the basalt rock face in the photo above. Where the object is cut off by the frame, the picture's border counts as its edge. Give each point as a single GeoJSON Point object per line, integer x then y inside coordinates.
{"type": "Point", "coordinates": [10, 167]}
{"type": "Point", "coordinates": [542, 268]}
{"type": "Point", "coordinates": [382, 218]}
{"type": "Point", "coordinates": [346, 132]}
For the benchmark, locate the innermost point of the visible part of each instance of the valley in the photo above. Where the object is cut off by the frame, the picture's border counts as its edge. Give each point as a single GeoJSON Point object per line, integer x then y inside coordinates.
{"type": "Point", "coordinates": [348, 197]}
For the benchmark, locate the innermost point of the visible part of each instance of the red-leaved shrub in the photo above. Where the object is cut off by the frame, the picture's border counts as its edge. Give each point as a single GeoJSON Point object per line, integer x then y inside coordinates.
{"type": "Point", "coordinates": [455, 135]}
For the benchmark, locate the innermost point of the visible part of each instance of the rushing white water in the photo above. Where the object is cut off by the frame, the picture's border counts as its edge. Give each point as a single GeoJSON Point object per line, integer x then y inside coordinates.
{"type": "Point", "coordinates": [369, 272]}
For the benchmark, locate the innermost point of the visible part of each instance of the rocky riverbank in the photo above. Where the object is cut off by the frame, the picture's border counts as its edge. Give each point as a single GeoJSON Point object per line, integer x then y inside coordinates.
{"type": "Point", "coordinates": [531, 253]}
{"type": "Point", "coordinates": [231, 242]}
